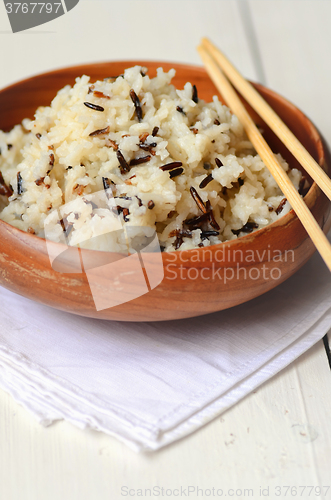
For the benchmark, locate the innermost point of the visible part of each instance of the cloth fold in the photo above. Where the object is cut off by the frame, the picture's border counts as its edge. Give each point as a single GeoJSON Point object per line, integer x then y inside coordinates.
{"type": "Point", "coordinates": [150, 384]}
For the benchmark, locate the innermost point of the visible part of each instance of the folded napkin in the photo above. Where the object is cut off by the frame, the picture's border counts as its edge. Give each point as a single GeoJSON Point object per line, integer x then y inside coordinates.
{"type": "Point", "coordinates": [150, 384]}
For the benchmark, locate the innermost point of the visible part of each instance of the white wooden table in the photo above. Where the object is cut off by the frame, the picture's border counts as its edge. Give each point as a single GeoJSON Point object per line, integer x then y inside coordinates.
{"type": "Point", "coordinates": [278, 436]}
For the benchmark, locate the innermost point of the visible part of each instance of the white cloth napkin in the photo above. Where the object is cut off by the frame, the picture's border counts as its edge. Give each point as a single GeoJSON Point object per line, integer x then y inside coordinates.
{"type": "Point", "coordinates": [150, 384]}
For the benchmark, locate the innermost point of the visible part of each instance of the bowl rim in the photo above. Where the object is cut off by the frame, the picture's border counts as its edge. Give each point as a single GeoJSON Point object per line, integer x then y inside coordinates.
{"type": "Point", "coordinates": [283, 220]}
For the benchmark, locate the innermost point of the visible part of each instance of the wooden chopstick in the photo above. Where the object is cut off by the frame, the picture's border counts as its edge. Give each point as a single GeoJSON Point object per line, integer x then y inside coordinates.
{"type": "Point", "coordinates": [271, 118]}
{"type": "Point", "coordinates": [231, 97]}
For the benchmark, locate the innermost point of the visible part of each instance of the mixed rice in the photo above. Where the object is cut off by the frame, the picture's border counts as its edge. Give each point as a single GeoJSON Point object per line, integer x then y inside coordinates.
{"type": "Point", "coordinates": [171, 162]}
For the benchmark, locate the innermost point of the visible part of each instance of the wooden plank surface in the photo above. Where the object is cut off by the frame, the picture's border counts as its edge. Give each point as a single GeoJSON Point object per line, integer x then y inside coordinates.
{"type": "Point", "coordinates": [101, 30]}
{"type": "Point", "coordinates": [294, 39]}
{"type": "Point", "coordinates": [277, 436]}
{"type": "Point", "coordinates": [296, 35]}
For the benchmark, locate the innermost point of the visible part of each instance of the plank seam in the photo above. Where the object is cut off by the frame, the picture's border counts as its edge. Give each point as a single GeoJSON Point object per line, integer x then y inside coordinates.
{"type": "Point", "coordinates": [311, 446]}
{"type": "Point", "coordinates": [327, 347]}
{"type": "Point", "coordinates": [252, 41]}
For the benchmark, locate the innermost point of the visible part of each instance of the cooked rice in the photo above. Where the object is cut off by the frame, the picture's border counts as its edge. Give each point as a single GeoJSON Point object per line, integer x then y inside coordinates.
{"type": "Point", "coordinates": [71, 150]}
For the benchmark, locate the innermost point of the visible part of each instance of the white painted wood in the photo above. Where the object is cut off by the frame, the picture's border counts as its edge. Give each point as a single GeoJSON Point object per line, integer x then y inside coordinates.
{"type": "Point", "coordinates": [280, 435]}
{"type": "Point", "coordinates": [101, 30]}
{"type": "Point", "coordinates": [272, 438]}
{"type": "Point", "coordinates": [294, 40]}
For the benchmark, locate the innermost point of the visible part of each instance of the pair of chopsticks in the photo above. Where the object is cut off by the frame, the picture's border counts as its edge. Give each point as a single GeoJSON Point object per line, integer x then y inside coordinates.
{"type": "Point", "coordinates": [217, 66]}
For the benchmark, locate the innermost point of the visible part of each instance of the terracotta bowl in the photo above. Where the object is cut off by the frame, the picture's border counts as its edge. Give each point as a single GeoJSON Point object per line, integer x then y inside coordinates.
{"type": "Point", "coordinates": [195, 282]}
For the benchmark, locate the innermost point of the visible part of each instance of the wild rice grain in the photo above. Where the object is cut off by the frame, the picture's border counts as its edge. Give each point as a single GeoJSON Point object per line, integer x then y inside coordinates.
{"type": "Point", "coordinates": [95, 107]}
{"type": "Point", "coordinates": [67, 227]}
{"type": "Point", "coordinates": [178, 242]}
{"type": "Point", "coordinates": [143, 137]}
{"type": "Point", "coordinates": [196, 222]}
{"type": "Point", "coordinates": [138, 161]}
{"type": "Point", "coordinates": [176, 172]}
{"type": "Point", "coordinates": [79, 189]}
{"type": "Point", "coordinates": [148, 147]}
{"type": "Point", "coordinates": [101, 95]}
{"type": "Point", "coordinates": [206, 234]}
{"type": "Point", "coordinates": [125, 214]}
{"type": "Point", "coordinates": [198, 200]}
{"type": "Point", "coordinates": [19, 183]}
{"type": "Point", "coordinates": [195, 94]}
{"type": "Point", "coordinates": [180, 110]}
{"type": "Point", "coordinates": [100, 131]}
{"type": "Point", "coordinates": [171, 166]}
{"type": "Point", "coordinates": [106, 183]}
{"type": "Point", "coordinates": [124, 167]}
{"type": "Point", "coordinates": [112, 144]}
{"type": "Point", "coordinates": [206, 181]}
{"type": "Point", "coordinates": [212, 221]}
{"type": "Point", "coordinates": [281, 206]}
{"type": "Point", "coordinates": [247, 228]}
{"type": "Point", "coordinates": [180, 234]}
{"type": "Point", "coordinates": [136, 102]}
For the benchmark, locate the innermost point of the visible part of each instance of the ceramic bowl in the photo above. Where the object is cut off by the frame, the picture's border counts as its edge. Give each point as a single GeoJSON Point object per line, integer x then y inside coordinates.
{"type": "Point", "coordinates": [195, 282]}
